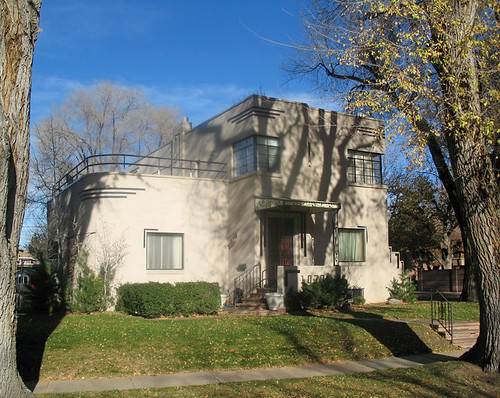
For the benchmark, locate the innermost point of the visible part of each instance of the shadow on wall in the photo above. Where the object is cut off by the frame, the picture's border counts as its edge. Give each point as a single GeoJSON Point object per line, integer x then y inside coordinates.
{"type": "Point", "coordinates": [70, 216]}
{"type": "Point", "coordinates": [317, 167]}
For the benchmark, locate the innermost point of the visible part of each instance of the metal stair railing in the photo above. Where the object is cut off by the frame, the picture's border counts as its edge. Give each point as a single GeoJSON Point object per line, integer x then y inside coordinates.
{"type": "Point", "coordinates": [245, 284]}
{"type": "Point", "coordinates": [251, 280]}
{"type": "Point", "coordinates": [442, 312]}
{"type": "Point", "coordinates": [268, 282]}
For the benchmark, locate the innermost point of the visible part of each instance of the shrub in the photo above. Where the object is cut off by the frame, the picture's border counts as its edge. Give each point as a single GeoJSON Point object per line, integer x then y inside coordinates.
{"type": "Point", "coordinates": [330, 292]}
{"type": "Point", "coordinates": [359, 300]}
{"type": "Point", "coordinates": [403, 289]}
{"type": "Point", "coordinates": [88, 294]}
{"type": "Point", "coordinates": [42, 288]}
{"type": "Point", "coordinates": [293, 300]}
{"type": "Point", "coordinates": [152, 300]}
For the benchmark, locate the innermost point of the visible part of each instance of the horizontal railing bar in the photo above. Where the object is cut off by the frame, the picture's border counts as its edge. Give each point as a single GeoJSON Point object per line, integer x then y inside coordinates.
{"type": "Point", "coordinates": [128, 160]}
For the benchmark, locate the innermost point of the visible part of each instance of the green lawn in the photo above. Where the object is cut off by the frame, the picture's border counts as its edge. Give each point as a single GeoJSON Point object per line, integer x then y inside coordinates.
{"type": "Point", "coordinates": [418, 311]}
{"type": "Point", "coordinates": [117, 345]}
{"type": "Point", "coordinates": [450, 379]}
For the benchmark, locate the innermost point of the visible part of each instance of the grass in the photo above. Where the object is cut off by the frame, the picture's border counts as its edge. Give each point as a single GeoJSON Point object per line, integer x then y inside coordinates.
{"type": "Point", "coordinates": [117, 345]}
{"type": "Point", "coordinates": [450, 379]}
{"type": "Point", "coordinates": [418, 311]}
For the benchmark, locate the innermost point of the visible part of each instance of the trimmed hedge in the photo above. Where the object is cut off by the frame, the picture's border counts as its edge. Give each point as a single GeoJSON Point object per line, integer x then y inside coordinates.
{"type": "Point", "coordinates": [153, 300]}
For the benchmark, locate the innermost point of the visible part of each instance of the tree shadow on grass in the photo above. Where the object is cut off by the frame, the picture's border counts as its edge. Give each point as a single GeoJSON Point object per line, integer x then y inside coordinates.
{"type": "Point", "coordinates": [33, 330]}
{"type": "Point", "coordinates": [397, 336]}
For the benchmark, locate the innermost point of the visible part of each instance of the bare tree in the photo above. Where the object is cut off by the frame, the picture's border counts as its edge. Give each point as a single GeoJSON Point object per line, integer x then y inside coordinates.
{"type": "Point", "coordinates": [54, 155]}
{"type": "Point", "coordinates": [103, 119]}
{"type": "Point", "coordinates": [109, 256]}
{"type": "Point", "coordinates": [153, 127]}
{"type": "Point", "coordinates": [19, 22]}
{"type": "Point", "coordinates": [436, 63]}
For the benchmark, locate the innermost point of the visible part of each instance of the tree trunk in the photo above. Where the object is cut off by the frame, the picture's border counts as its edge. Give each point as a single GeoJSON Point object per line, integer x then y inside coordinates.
{"type": "Point", "coordinates": [469, 289]}
{"type": "Point", "coordinates": [482, 227]}
{"type": "Point", "coordinates": [19, 27]}
{"type": "Point", "coordinates": [473, 171]}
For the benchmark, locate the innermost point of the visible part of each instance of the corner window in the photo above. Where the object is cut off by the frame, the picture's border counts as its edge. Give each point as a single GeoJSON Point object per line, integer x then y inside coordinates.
{"type": "Point", "coordinates": [352, 245]}
{"type": "Point", "coordinates": [364, 167]}
{"type": "Point", "coordinates": [257, 153]}
{"type": "Point", "coordinates": [164, 251]}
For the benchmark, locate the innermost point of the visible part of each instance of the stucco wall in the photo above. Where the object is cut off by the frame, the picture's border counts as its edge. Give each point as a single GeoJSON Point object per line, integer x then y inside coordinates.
{"type": "Point", "coordinates": [222, 230]}
{"type": "Point", "coordinates": [127, 205]}
{"type": "Point", "coordinates": [314, 145]}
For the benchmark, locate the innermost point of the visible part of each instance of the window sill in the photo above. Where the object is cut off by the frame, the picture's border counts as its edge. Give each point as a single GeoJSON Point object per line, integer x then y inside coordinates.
{"type": "Point", "coordinates": [161, 271]}
{"type": "Point", "coordinates": [362, 185]}
{"type": "Point", "coordinates": [256, 174]}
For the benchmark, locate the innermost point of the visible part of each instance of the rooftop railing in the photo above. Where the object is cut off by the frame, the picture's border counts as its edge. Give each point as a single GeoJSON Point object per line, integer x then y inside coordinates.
{"type": "Point", "coordinates": [141, 165]}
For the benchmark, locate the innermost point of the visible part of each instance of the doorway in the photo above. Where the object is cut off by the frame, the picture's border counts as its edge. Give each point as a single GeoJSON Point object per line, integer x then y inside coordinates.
{"type": "Point", "coordinates": [280, 246]}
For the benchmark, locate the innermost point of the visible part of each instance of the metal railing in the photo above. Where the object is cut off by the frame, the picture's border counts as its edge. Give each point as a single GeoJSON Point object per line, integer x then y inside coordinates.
{"type": "Point", "coordinates": [251, 280]}
{"type": "Point", "coordinates": [269, 278]}
{"type": "Point", "coordinates": [245, 284]}
{"type": "Point", "coordinates": [442, 312]}
{"type": "Point", "coordinates": [141, 164]}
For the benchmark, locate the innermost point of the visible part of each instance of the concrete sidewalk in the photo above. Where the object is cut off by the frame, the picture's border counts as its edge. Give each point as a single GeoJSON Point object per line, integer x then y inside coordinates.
{"type": "Point", "coordinates": [226, 376]}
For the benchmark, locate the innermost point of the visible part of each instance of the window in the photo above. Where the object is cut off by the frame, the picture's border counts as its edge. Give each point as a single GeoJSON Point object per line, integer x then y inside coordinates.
{"type": "Point", "coordinates": [164, 251]}
{"type": "Point", "coordinates": [257, 153]}
{"type": "Point", "coordinates": [352, 245]}
{"type": "Point", "coordinates": [364, 167]}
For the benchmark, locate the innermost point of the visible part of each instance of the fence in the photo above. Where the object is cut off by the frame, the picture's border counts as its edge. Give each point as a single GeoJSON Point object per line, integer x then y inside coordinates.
{"type": "Point", "coordinates": [445, 280]}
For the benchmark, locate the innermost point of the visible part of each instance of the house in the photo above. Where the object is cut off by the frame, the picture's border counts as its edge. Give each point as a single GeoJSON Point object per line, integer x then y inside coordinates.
{"type": "Point", "coordinates": [269, 192]}
{"type": "Point", "coordinates": [26, 259]}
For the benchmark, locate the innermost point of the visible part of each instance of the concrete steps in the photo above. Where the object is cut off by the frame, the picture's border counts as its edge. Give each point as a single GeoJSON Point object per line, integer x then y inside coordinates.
{"type": "Point", "coordinates": [465, 334]}
{"type": "Point", "coordinates": [254, 304]}
{"type": "Point", "coordinates": [253, 311]}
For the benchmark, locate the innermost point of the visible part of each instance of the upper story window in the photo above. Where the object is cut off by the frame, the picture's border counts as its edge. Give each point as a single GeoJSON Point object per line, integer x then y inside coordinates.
{"type": "Point", "coordinates": [256, 153]}
{"type": "Point", "coordinates": [364, 167]}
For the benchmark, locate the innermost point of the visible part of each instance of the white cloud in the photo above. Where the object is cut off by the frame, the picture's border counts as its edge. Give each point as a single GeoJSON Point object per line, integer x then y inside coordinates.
{"type": "Point", "coordinates": [198, 102]}
{"type": "Point", "coordinates": [49, 90]}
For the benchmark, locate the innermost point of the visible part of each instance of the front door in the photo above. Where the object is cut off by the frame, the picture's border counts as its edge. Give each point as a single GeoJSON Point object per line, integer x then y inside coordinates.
{"type": "Point", "coordinates": [280, 246]}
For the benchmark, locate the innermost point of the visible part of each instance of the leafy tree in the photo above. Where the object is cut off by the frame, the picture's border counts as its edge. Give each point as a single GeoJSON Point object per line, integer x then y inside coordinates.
{"type": "Point", "coordinates": [434, 65]}
{"type": "Point", "coordinates": [421, 219]}
{"type": "Point", "coordinates": [19, 21]}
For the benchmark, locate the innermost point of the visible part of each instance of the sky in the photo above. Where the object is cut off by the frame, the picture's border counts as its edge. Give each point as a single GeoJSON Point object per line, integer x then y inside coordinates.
{"type": "Point", "coordinates": [196, 55]}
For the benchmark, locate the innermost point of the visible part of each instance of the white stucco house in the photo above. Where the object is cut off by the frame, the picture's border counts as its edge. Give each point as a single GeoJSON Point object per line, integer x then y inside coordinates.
{"type": "Point", "coordinates": [269, 191]}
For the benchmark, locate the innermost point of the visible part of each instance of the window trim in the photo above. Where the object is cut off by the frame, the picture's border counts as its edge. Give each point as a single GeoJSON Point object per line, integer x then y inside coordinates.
{"type": "Point", "coordinates": [364, 167]}
{"type": "Point", "coordinates": [363, 233]}
{"type": "Point", "coordinates": [253, 149]}
{"type": "Point", "coordinates": [166, 234]}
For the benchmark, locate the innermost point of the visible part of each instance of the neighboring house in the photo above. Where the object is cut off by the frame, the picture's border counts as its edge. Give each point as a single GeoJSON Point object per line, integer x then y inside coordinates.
{"type": "Point", "coordinates": [25, 259]}
{"type": "Point", "coordinates": [23, 280]}
{"type": "Point", "coordinates": [25, 269]}
{"type": "Point", "coordinates": [269, 190]}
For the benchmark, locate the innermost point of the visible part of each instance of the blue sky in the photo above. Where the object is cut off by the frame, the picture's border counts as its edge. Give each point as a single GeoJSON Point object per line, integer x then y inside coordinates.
{"type": "Point", "coordinates": [200, 56]}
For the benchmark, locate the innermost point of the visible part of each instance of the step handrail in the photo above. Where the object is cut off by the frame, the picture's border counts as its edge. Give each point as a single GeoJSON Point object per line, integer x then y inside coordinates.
{"type": "Point", "coordinates": [442, 312]}
{"type": "Point", "coordinates": [245, 283]}
{"type": "Point", "coordinates": [249, 282]}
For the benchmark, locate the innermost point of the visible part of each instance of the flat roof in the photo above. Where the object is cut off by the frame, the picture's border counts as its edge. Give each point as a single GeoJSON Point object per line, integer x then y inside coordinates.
{"type": "Point", "coordinates": [310, 206]}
